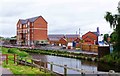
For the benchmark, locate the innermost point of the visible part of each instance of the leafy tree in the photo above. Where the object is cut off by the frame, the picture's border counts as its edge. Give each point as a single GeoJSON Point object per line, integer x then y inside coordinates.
{"type": "Point", "coordinates": [14, 37]}
{"type": "Point", "coordinates": [113, 37]}
{"type": "Point", "coordinates": [106, 37]}
{"type": "Point", "coordinates": [114, 21]}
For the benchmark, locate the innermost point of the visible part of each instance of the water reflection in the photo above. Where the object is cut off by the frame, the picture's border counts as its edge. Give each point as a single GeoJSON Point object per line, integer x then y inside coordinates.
{"type": "Point", "coordinates": [70, 62]}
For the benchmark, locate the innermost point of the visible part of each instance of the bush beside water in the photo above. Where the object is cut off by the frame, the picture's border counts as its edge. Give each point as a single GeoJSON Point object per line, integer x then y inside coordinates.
{"type": "Point", "coordinates": [113, 58]}
{"type": "Point", "coordinates": [15, 51]}
{"type": "Point", "coordinates": [63, 54]}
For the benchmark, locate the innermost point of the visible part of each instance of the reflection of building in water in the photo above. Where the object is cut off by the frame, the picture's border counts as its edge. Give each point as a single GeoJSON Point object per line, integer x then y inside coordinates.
{"type": "Point", "coordinates": [88, 63]}
{"type": "Point", "coordinates": [43, 59]}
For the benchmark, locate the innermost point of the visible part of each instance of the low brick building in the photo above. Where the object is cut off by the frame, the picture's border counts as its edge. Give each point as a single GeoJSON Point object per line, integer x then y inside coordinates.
{"type": "Point", "coordinates": [32, 31]}
{"type": "Point", "coordinates": [54, 38]}
{"type": "Point", "coordinates": [90, 37]}
{"type": "Point", "coordinates": [61, 39]}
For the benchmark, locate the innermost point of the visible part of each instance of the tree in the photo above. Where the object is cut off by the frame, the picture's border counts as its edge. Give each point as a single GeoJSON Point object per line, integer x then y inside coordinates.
{"type": "Point", "coordinates": [14, 37]}
{"type": "Point", "coordinates": [113, 37]}
{"type": "Point", "coordinates": [106, 37]}
{"type": "Point", "coordinates": [114, 21]}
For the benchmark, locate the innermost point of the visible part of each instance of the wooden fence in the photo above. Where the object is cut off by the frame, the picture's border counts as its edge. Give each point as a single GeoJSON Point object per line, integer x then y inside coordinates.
{"type": "Point", "coordinates": [45, 67]}
{"type": "Point", "coordinates": [6, 57]}
{"type": "Point", "coordinates": [32, 63]}
{"type": "Point", "coordinates": [90, 48]}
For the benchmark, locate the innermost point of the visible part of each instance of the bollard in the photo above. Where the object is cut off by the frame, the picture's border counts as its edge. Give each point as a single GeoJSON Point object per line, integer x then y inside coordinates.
{"type": "Point", "coordinates": [65, 70]}
{"type": "Point", "coordinates": [111, 72]}
{"type": "Point", "coordinates": [82, 73]}
{"type": "Point", "coordinates": [51, 66]}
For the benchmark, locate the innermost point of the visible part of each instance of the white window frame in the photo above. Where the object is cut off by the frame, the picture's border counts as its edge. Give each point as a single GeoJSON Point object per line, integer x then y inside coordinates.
{"type": "Point", "coordinates": [28, 23]}
{"type": "Point", "coordinates": [20, 25]}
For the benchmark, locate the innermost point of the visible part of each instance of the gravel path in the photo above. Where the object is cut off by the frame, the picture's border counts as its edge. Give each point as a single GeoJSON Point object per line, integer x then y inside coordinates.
{"type": "Point", "coordinates": [4, 71]}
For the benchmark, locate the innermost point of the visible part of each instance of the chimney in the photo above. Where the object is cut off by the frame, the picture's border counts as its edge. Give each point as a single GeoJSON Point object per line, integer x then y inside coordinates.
{"type": "Point", "coordinates": [98, 31]}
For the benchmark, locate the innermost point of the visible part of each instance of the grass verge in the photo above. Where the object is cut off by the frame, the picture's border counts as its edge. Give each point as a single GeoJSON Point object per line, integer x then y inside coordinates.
{"type": "Point", "coordinates": [20, 69]}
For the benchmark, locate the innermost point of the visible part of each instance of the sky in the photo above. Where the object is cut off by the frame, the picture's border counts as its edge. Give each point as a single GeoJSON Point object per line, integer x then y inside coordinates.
{"type": "Point", "coordinates": [63, 16]}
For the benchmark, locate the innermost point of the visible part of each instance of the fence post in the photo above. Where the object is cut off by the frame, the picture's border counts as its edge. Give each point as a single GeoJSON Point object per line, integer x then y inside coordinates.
{"type": "Point", "coordinates": [25, 61]}
{"type": "Point", "coordinates": [40, 64]}
{"type": "Point", "coordinates": [21, 60]}
{"type": "Point", "coordinates": [17, 59]}
{"type": "Point", "coordinates": [65, 70]}
{"type": "Point", "coordinates": [32, 63]}
{"type": "Point", "coordinates": [45, 67]}
{"type": "Point", "coordinates": [6, 58]}
{"type": "Point", "coordinates": [51, 66]}
{"type": "Point", "coordinates": [14, 58]}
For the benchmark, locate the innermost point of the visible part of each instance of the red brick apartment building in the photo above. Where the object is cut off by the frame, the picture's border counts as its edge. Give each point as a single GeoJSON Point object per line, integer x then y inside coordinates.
{"type": "Point", "coordinates": [32, 31]}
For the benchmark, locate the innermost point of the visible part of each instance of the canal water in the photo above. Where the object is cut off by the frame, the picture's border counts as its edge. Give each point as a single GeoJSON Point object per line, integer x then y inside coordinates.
{"type": "Point", "coordinates": [73, 63]}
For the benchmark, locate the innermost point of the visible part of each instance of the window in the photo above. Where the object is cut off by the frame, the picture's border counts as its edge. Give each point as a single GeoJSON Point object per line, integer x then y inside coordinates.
{"type": "Point", "coordinates": [28, 37]}
{"type": "Point", "coordinates": [26, 31]}
{"type": "Point", "coordinates": [26, 25]}
{"type": "Point", "coordinates": [20, 25]}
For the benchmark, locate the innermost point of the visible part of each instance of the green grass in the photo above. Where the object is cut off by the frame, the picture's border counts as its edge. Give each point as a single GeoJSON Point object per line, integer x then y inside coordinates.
{"type": "Point", "coordinates": [20, 69]}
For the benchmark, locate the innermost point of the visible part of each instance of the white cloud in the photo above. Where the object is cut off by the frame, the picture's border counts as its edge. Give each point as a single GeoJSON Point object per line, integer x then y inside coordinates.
{"type": "Point", "coordinates": [63, 16]}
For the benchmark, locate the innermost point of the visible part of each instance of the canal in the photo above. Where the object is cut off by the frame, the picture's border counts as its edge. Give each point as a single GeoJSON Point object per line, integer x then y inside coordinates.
{"type": "Point", "coordinates": [74, 63]}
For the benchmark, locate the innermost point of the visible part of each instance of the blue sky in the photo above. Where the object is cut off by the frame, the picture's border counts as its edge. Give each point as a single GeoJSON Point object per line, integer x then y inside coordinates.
{"type": "Point", "coordinates": [63, 16]}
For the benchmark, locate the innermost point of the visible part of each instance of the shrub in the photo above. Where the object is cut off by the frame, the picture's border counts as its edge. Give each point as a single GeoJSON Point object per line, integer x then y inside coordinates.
{"type": "Point", "coordinates": [4, 50]}
{"type": "Point", "coordinates": [23, 54]}
{"type": "Point", "coordinates": [17, 51]}
{"type": "Point", "coordinates": [13, 51]}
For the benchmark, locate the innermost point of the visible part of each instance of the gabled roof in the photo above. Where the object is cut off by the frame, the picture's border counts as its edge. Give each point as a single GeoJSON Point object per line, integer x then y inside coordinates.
{"type": "Point", "coordinates": [96, 33]}
{"type": "Point", "coordinates": [68, 37]}
{"type": "Point", "coordinates": [55, 37]}
{"type": "Point", "coordinates": [24, 21]}
{"type": "Point", "coordinates": [33, 19]}
{"type": "Point", "coordinates": [72, 36]}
